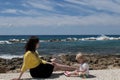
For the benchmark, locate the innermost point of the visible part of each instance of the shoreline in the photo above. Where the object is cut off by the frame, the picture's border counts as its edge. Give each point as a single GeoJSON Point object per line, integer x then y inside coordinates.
{"type": "Point", "coordinates": [96, 62]}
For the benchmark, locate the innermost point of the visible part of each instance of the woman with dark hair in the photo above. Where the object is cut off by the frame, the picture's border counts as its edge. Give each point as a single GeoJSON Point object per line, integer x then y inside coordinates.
{"type": "Point", "coordinates": [38, 68]}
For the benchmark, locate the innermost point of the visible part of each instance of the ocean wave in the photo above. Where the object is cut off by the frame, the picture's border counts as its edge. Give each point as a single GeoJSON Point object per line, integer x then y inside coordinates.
{"type": "Point", "coordinates": [69, 39]}
{"type": "Point", "coordinates": [17, 40]}
{"type": "Point", "coordinates": [10, 41]}
{"type": "Point", "coordinates": [102, 37]}
{"type": "Point", "coordinates": [11, 56]}
{"type": "Point", "coordinates": [5, 42]}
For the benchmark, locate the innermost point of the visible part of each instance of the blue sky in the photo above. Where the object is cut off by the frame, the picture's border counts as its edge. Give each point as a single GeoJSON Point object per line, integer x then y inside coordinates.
{"type": "Point", "coordinates": [43, 17]}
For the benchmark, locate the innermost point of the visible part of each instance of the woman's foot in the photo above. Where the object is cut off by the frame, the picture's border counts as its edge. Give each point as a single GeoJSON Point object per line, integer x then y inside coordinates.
{"type": "Point", "coordinates": [67, 73]}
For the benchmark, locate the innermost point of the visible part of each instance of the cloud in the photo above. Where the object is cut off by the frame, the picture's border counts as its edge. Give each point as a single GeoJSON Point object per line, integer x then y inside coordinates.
{"type": "Point", "coordinates": [41, 4]}
{"type": "Point", "coordinates": [11, 11]}
{"type": "Point", "coordinates": [61, 20]}
{"type": "Point", "coordinates": [107, 5]}
{"type": "Point", "coordinates": [32, 15]}
{"type": "Point", "coordinates": [75, 8]}
{"type": "Point", "coordinates": [21, 12]}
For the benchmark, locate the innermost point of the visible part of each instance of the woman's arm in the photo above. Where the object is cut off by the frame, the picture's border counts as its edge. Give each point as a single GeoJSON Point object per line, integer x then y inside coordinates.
{"type": "Point", "coordinates": [19, 76]}
{"type": "Point", "coordinates": [26, 64]}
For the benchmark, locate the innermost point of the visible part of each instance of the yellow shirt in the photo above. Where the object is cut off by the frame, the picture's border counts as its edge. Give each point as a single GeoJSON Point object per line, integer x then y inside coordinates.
{"type": "Point", "coordinates": [31, 60]}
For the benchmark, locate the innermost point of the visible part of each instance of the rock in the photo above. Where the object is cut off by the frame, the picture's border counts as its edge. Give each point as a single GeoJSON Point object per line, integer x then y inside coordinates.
{"type": "Point", "coordinates": [12, 67]}
{"type": "Point", "coordinates": [75, 65]}
{"type": "Point", "coordinates": [96, 62]}
{"type": "Point", "coordinates": [63, 57]}
{"type": "Point", "coordinates": [46, 57]}
{"type": "Point", "coordinates": [55, 40]}
{"type": "Point", "coordinates": [3, 69]}
{"type": "Point", "coordinates": [72, 58]}
{"type": "Point", "coordinates": [116, 61]}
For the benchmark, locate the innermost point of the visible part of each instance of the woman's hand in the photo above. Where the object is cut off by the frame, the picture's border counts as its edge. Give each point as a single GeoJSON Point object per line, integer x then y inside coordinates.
{"type": "Point", "coordinates": [19, 76]}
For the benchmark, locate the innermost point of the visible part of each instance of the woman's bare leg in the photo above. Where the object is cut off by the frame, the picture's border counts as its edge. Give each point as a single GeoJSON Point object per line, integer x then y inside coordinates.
{"type": "Point", "coordinates": [62, 67]}
{"type": "Point", "coordinates": [58, 66]}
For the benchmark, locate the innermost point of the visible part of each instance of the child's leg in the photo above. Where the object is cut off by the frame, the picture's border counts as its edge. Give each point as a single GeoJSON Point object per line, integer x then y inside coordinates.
{"type": "Point", "coordinates": [74, 73]}
{"type": "Point", "coordinates": [83, 75]}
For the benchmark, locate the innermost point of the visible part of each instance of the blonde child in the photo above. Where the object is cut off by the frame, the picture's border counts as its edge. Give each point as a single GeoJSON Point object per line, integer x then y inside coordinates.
{"type": "Point", "coordinates": [83, 70]}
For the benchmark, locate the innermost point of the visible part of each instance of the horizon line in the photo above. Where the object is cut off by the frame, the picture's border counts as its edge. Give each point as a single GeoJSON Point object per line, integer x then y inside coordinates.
{"type": "Point", "coordinates": [50, 34]}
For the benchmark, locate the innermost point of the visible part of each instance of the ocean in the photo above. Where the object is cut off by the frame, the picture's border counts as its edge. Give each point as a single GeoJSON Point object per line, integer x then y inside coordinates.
{"type": "Point", "coordinates": [13, 45]}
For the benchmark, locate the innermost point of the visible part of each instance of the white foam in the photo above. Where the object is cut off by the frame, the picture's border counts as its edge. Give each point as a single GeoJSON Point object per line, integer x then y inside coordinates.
{"type": "Point", "coordinates": [5, 42]}
{"type": "Point", "coordinates": [10, 56]}
{"type": "Point", "coordinates": [99, 38]}
{"type": "Point", "coordinates": [102, 37]}
{"type": "Point", "coordinates": [42, 40]}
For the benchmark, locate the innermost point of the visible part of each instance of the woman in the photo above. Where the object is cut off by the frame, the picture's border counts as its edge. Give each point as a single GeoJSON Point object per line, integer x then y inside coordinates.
{"type": "Point", "coordinates": [38, 68]}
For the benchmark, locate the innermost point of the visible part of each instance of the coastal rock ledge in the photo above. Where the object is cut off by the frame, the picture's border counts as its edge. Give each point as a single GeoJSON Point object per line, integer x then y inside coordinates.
{"type": "Point", "coordinates": [96, 62]}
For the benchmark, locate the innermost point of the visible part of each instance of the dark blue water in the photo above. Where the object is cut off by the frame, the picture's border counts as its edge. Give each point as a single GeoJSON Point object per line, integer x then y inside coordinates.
{"type": "Point", "coordinates": [46, 37]}
{"type": "Point", "coordinates": [72, 47]}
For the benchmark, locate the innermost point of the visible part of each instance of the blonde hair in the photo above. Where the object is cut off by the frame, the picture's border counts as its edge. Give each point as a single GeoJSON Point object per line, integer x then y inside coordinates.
{"type": "Point", "coordinates": [80, 56]}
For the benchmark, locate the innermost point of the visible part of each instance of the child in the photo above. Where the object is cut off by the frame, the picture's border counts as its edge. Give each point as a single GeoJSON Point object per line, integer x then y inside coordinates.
{"type": "Point", "coordinates": [82, 71]}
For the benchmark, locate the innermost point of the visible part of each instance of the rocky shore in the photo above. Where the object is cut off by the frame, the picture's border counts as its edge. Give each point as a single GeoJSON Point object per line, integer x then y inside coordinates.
{"type": "Point", "coordinates": [96, 62]}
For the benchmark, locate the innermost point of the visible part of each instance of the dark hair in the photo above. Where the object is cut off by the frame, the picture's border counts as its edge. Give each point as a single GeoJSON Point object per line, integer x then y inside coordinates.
{"type": "Point", "coordinates": [31, 44]}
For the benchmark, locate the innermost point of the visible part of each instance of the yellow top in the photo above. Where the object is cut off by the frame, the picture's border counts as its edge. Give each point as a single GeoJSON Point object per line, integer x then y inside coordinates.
{"type": "Point", "coordinates": [31, 60]}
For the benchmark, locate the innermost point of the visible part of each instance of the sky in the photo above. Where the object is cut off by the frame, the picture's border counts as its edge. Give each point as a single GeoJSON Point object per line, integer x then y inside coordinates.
{"type": "Point", "coordinates": [59, 17]}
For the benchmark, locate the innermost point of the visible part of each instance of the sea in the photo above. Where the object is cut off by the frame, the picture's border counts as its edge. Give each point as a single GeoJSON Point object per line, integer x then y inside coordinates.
{"type": "Point", "coordinates": [13, 45]}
